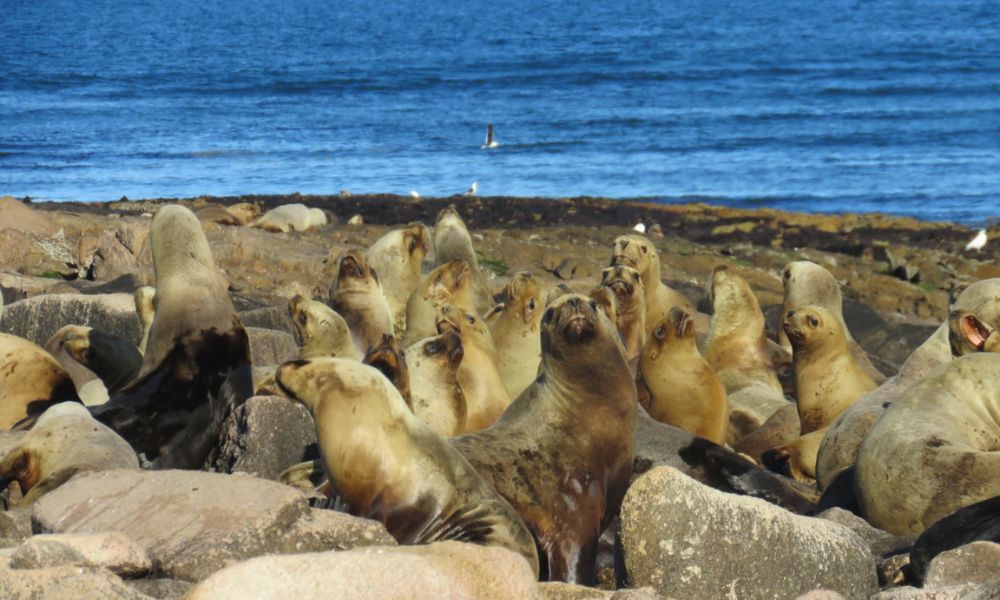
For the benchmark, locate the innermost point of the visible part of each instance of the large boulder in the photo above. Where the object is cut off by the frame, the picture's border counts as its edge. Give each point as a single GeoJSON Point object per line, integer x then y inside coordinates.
{"type": "Point", "coordinates": [38, 317]}
{"type": "Point", "coordinates": [689, 541]}
{"type": "Point", "coordinates": [112, 551]}
{"type": "Point", "coordinates": [439, 570]}
{"type": "Point", "coordinates": [978, 562]}
{"type": "Point", "coordinates": [557, 590]}
{"type": "Point", "coordinates": [58, 583]}
{"type": "Point", "coordinates": [18, 216]}
{"type": "Point", "coordinates": [193, 523]}
{"type": "Point", "coordinates": [271, 347]}
{"type": "Point", "coordinates": [265, 436]}
{"type": "Point", "coordinates": [969, 591]}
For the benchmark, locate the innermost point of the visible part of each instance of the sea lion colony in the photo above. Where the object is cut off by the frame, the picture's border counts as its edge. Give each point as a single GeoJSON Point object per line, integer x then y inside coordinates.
{"type": "Point", "coordinates": [516, 425]}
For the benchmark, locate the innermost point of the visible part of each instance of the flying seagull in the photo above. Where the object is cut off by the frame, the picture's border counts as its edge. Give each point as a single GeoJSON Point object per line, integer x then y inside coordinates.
{"type": "Point", "coordinates": [471, 191]}
{"type": "Point", "coordinates": [978, 242]}
{"type": "Point", "coordinates": [490, 142]}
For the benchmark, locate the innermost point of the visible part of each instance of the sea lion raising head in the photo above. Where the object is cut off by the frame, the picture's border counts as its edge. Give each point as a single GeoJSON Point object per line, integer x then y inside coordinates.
{"type": "Point", "coordinates": [452, 241]}
{"type": "Point", "coordinates": [357, 296]}
{"type": "Point", "coordinates": [626, 283]}
{"type": "Point", "coordinates": [435, 391]}
{"type": "Point", "coordinates": [450, 283]}
{"type": "Point", "coordinates": [323, 332]}
{"type": "Point", "coordinates": [396, 257]}
{"type": "Point", "coordinates": [515, 327]}
{"type": "Point", "coordinates": [639, 253]}
{"type": "Point", "coordinates": [975, 330]}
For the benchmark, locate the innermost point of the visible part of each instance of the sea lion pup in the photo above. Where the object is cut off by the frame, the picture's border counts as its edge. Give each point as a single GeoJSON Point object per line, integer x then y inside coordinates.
{"type": "Point", "coordinates": [219, 215]}
{"type": "Point", "coordinates": [737, 348]}
{"type": "Point", "coordinates": [357, 296]}
{"type": "Point", "coordinates": [323, 332]}
{"type": "Point", "coordinates": [486, 398]}
{"type": "Point", "coordinates": [936, 449]}
{"type": "Point", "coordinates": [291, 217]}
{"type": "Point", "coordinates": [629, 290]}
{"type": "Point", "coordinates": [452, 241]}
{"type": "Point", "coordinates": [387, 357]}
{"type": "Point", "coordinates": [390, 467]}
{"type": "Point", "coordinates": [686, 392]}
{"type": "Point", "coordinates": [448, 284]}
{"type": "Point", "coordinates": [197, 362]}
{"type": "Point", "coordinates": [396, 257]}
{"type": "Point", "coordinates": [144, 298]}
{"type": "Point", "coordinates": [89, 387]}
{"type": "Point", "coordinates": [807, 283]}
{"type": "Point", "coordinates": [65, 440]}
{"type": "Point", "coordinates": [31, 380]}
{"type": "Point", "coordinates": [435, 391]}
{"type": "Point", "coordinates": [514, 326]}
{"type": "Point", "coordinates": [245, 211]}
{"type": "Point", "coordinates": [562, 452]}
{"type": "Point", "coordinates": [636, 251]}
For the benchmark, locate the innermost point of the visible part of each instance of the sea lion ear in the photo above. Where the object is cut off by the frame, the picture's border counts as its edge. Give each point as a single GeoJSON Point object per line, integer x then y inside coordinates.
{"type": "Point", "coordinates": [547, 316]}
{"type": "Point", "coordinates": [494, 313]}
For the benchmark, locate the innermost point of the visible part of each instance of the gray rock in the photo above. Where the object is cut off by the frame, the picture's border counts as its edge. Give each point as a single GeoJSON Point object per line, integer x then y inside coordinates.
{"type": "Point", "coordinates": [271, 347]}
{"type": "Point", "coordinates": [112, 551]}
{"type": "Point", "coordinates": [988, 591]}
{"type": "Point", "coordinates": [60, 583]}
{"type": "Point", "coordinates": [268, 317]}
{"type": "Point", "coordinates": [978, 562]}
{"type": "Point", "coordinates": [38, 317]}
{"type": "Point", "coordinates": [193, 523]}
{"type": "Point", "coordinates": [687, 540]}
{"type": "Point", "coordinates": [820, 595]}
{"type": "Point", "coordinates": [265, 436]}
{"type": "Point", "coordinates": [161, 589]}
{"type": "Point", "coordinates": [557, 590]}
{"type": "Point", "coordinates": [880, 542]}
{"type": "Point", "coordinates": [439, 570]}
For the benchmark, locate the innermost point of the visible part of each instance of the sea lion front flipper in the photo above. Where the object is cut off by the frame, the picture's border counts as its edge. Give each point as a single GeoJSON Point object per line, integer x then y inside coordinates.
{"type": "Point", "coordinates": [977, 522]}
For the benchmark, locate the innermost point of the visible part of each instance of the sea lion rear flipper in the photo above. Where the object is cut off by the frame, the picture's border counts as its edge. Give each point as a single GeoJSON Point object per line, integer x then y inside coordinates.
{"type": "Point", "coordinates": [974, 523]}
{"type": "Point", "coordinates": [841, 493]}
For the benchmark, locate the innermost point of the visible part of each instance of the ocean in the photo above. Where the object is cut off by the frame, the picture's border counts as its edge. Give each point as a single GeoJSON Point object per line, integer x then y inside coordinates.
{"type": "Point", "coordinates": [890, 106]}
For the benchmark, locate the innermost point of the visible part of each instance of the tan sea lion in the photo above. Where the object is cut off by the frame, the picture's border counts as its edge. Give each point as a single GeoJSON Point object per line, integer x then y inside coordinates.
{"type": "Point", "coordinates": [197, 362]}
{"type": "Point", "coordinates": [562, 452]}
{"type": "Point", "coordinates": [807, 283]}
{"type": "Point", "coordinates": [145, 302]}
{"type": "Point", "coordinates": [245, 211]}
{"type": "Point", "coordinates": [436, 393]}
{"type": "Point", "coordinates": [31, 380]}
{"type": "Point", "coordinates": [975, 329]}
{"type": "Point", "coordinates": [486, 398]}
{"type": "Point", "coordinates": [639, 253]}
{"type": "Point", "coordinates": [357, 296]}
{"type": "Point", "coordinates": [218, 215]}
{"type": "Point", "coordinates": [936, 448]}
{"type": "Point", "coordinates": [514, 326]}
{"type": "Point", "coordinates": [396, 257]}
{"type": "Point", "coordinates": [291, 217]}
{"type": "Point", "coordinates": [89, 387]}
{"type": "Point", "coordinates": [388, 357]}
{"type": "Point", "coordinates": [629, 290]}
{"type": "Point", "coordinates": [737, 348]}
{"type": "Point", "coordinates": [64, 441]}
{"type": "Point", "coordinates": [449, 283]}
{"type": "Point", "coordinates": [323, 332]}
{"type": "Point", "coordinates": [686, 392]}
{"type": "Point", "coordinates": [390, 467]}
{"type": "Point", "coordinates": [452, 241]}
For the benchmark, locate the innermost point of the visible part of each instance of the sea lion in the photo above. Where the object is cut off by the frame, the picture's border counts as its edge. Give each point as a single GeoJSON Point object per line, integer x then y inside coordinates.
{"type": "Point", "coordinates": [388, 357]}
{"type": "Point", "coordinates": [562, 452]}
{"type": "Point", "coordinates": [31, 380]}
{"type": "Point", "coordinates": [390, 467]}
{"type": "Point", "coordinates": [89, 387]}
{"type": "Point", "coordinates": [976, 329]}
{"type": "Point", "coordinates": [357, 296]}
{"type": "Point", "coordinates": [737, 348]}
{"type": "Point", "coordinates": [686, 392]}
{"type": "Point", "coordinates": [936, 449]}
{"type": "Point", "coordinates": [636, 251]}
{"type": "Point", "coordinates": [145, 303]}
{"type": "Point", "coordinates": [452, 241]}
{"type": "Point", "coordinates": [114, 360]}
{"type": "Point", "coordinates": [781, 428]}
{"type": "Point", "coordinates": [245, 211]}
{"type": "Point", "coordinates": [629, 290]}
{"type": "Point", "coordinates": [291, 217]}
{"type": "Point", "coordinates": [449, 283]}
{"type": "Point", "coordinates": [64, 441]}
{"type": "Point", "coordinates": [807, 283]}
{"type": "Point", "coordinates": [486, 398]}
{"type": "Point", "coordinates": [218, 215]}
{"type": "Point", "coordinates": [396, 257]}
{"type": "Point", "coordinates": [197, 362]}
{"type": "Point", "coordinates": [514, 326]}
{"type": "Point", "coordinates": [436, 394]}
{"type": "Point", "coordinates": [324, 333]}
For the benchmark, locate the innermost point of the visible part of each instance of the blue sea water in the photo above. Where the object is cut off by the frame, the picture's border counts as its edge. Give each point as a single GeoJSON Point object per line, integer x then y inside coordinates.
{"type": "Point", "coordinates": [841, 105]}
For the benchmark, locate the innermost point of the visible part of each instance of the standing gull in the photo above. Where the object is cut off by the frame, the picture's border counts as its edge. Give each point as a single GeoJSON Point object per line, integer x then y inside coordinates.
{"type": "Point", "coordinates": [490, 142]}
{"type": "Point", "coordinates": [471, 191]}
{"type": "Point", "coordinates": [978, 242]}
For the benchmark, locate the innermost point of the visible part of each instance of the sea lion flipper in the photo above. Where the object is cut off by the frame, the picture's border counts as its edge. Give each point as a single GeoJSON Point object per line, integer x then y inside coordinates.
{"type": "Point", "coordinates": [974, 523]}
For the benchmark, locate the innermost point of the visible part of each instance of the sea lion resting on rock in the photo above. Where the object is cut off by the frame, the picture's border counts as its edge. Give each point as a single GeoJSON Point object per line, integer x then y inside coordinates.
{"type": "Point", "coordinates": [936, 449]}
{"type": "Point", "coordinates": [357, 296]}
{"type": "Point", "coordinates": [390, 467]}
{"type": "Point", "coordinates": [197, 361]}
{"type": "Point", "coordinates": [514, 326]}
{"type": "Point", "coordinates": [626, 283]}
{"type": "Point", "coordinates": [31, 380]}
{"type": "Point", "coordinates": [291, 217]}
{"type": "Point", "coordinates": [639, 253]}
{"type": "Point", "coordinates": [685, 390]}
{"type": "Point", "coordinates": [436, 394]}
{"type": "Point", "coordinates": [64, 441]}
{"type": "Point", "coordinates": [396, 257]}
{"type": "Point", "coordinates": [448, 284]}
{"type": "Point", "coordinates": [562, 452]}
{"type": "Point", "coordinates": [452, 241]}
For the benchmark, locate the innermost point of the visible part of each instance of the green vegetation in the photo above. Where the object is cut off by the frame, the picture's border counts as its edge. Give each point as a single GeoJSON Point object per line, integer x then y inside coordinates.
{"type": "Point", "coordinates": [497, 265]}
{"type": "Point", "coordinates": [50, 275]}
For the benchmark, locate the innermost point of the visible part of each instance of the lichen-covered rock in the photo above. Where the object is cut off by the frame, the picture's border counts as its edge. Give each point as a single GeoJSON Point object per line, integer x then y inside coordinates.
{"type": "Point", "coordinates": [271, 347]}
{"type": "Point", "coordinates": [161, 589]}
{"type": "Point", "coordinates": [112, 551]}
{"type": "Point", "coordinates": [439, 570]}
{"type": "Point", "coordinates": [970, 591]}
{"type": "Point", "coordinates": [265, 436]}
{"type": "Point", "coordinates": [193, 523]}
{"type": "Point", "coordinates": [557, 590]}
{"type": "Point", "coordinates": [38, 317]}
{"type": "Point", "coordinates": [689, 541]}
{"type": "Point", "coordinates": [60, 583]}
{"type": "Point", "coordinates": [978, 562]}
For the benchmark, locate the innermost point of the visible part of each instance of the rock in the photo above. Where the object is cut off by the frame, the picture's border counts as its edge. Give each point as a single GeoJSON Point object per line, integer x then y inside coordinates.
{"type": "Point", "coordinates": [193, 523]}
{"type": "Point", "coordinates": [268, 317]}
{"type": "Point", "coordinates": [270, 347]}
{"type": "Point", "coordinates": [988, 591]}
{"type": "Point", "coordinates": [879, 542]}
{"type": "Point", "coordinates": [356, 221]}
{"type": "Point", "coordinates": [978, 562]}
{"type": "Point", "coordinates": [690, 541]}
{"type": "Point", "coordinates": [161, 589]}
{"type": "Point", "coordinates": [39, 317]}
{"type": "Point", "coordinates": [820, 595]}
{"type": "Point", "coordinates": [265, 436]}
{"type": "Point", "coordinates": [17, 216]}
{"type": "Point", "coordinates": [439, 570]}
{"type": "Point", "coordinates": [557, 590]}
{"type": "Point", "coordinates": [114, 252]}
{"type": "Point", "coordinates": [15, 525]}
{"type": "Point", "coordinates": [59, 583]}
{"type": "Point", "coordinates": [31, 254]}
{"type": "Point", "coordinates": [112, 551]}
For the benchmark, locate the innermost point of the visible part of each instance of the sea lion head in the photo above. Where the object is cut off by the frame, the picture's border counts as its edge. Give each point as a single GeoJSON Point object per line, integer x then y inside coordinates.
{"type": "Point", "coordinates": [625, 282]}
{"type": "Point", "coordinates": [810, 327]}
{"type": "Point", "coordinates": [464, 323]}
{"type": "Point", "coordinates": [316, 381]}
{"type": "Point", "coordinates": [976, 330]}
{"type": "Point", "coordinates": [677, 327]}
{"type": "Point", "coordinates": [388, 357]}
{"type": "Point", "coordinates": [525, 298]}
{"type": "Point", "coordinates": [322, 330]}
{"type": "Point", "coordinates": [573, 321]}
{"type": "Point", "coordinates": [446, 348]}
{"type": "Point", "coordinates": [607, 302]}
{"type": "Point", "coordinates": [451, 278]}
{"type": "Point", "coordinates": [416, 240]}
{"type": "Point", "coordinates": [353, 272]}
{"type": "Point", "coordinates": [638, 252]}
{"type": "Point", "coordinates": [449, 217]}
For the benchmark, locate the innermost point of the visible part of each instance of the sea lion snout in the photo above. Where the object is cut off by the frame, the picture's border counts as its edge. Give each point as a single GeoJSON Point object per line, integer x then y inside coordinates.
{"type": "Point", "coordinates": [351, 266]}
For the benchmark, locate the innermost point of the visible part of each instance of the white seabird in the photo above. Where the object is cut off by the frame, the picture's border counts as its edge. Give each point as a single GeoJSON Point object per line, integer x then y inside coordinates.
{"type": "Point", "coordinates": [490, 141]}
{"type": "Point", "coordinates": [414, 194]}
{"type": "Point", "coordinates": [978, 242]}
{"type": "Point", "coordinates": [640, 227]}
{"type": "Point", "coordinates": [472, 190]}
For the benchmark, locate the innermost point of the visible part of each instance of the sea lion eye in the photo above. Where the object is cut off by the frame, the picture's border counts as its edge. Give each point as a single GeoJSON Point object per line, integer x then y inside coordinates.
{"type": "Point", "coordinates": [471, 319]}
{"type": "Point", "coordinates": [813, 321]}
{"type": "Point", "coordinates": [302, 318]}
{"type": "Point", "coordinates": [593, 305]}
{"type": "Point", "coordinates": [644, 249]}
{"type": "Point", "coordinates": [531, 304]}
